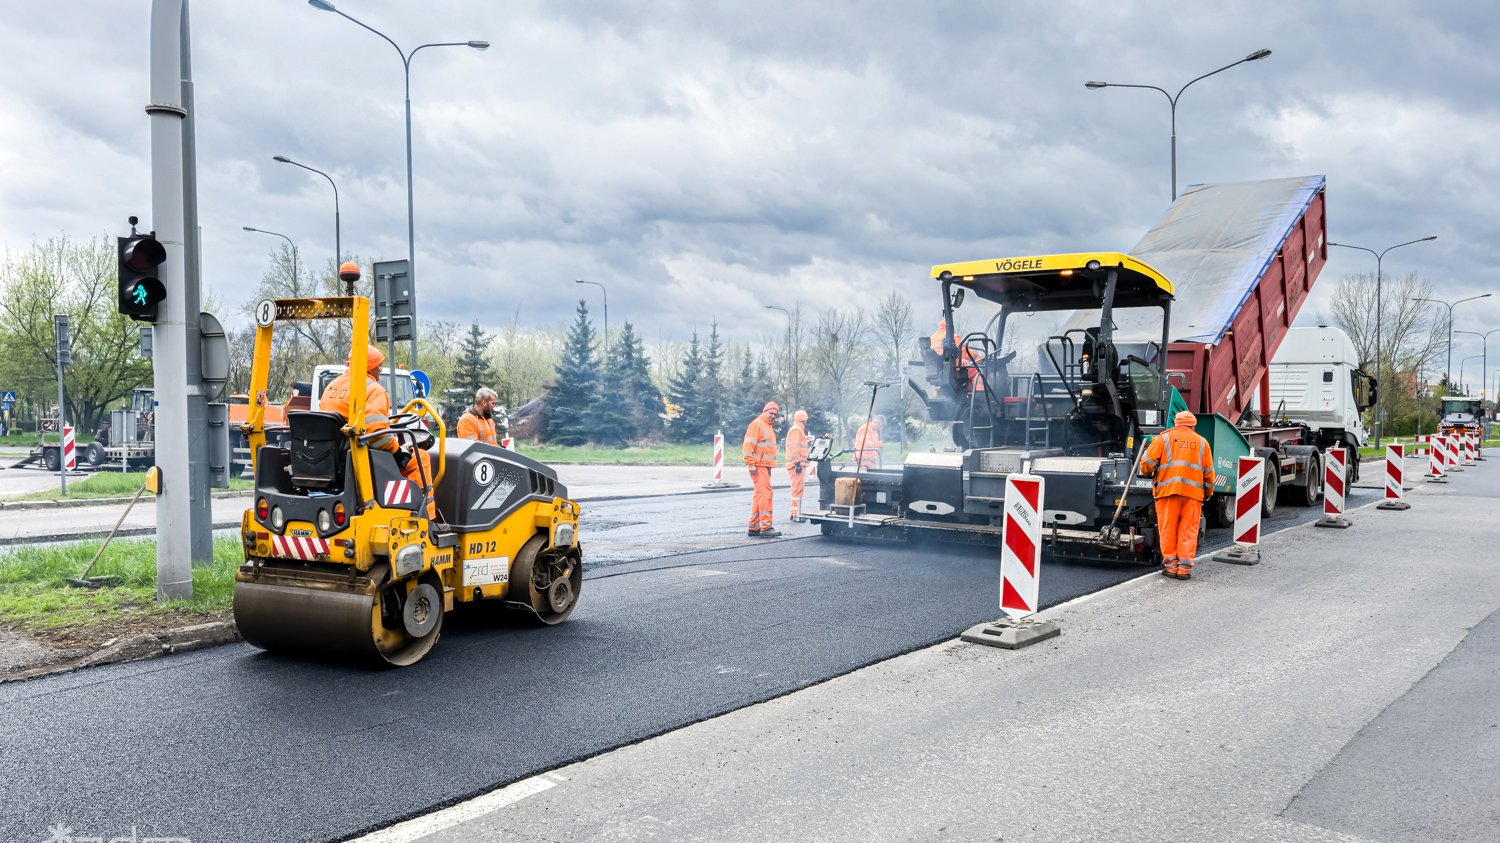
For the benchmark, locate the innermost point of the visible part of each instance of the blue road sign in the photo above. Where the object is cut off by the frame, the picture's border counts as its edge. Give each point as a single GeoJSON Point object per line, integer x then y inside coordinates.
{"type": "Point", "coordinates": [8, 396]}
{"type": "Point", "coordinates": [422, 382]}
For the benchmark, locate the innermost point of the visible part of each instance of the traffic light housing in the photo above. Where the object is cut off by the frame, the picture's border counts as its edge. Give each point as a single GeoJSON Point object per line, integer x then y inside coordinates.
{"type": "Point", "coordinates": [141, 291]}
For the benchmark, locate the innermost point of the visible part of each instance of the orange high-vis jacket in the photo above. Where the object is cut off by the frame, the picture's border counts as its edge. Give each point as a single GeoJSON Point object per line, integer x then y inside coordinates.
{"type": "Point", "coordinates": [1182, 463]}
{"type": "Point", "coordinates": [796, 444]}
{"type": "Point", "coordinates": [867, 445]}
{"type": "Point", "coordinates": [760, 443]}
{"type": "Point", "coordinates": [335, 399]}
{"type": "Point", "coordinates": [472, 426]}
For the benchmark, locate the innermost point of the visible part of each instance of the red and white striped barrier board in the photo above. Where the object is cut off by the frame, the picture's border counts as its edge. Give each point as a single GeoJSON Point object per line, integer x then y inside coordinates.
{"type": "Point", "coordinates": [305, 549]}
{"type": "Point", "coordinates": [1021, 546]}
{"type": "Point", "coordinates": [397, 492]}
{"type": "Point", "coordinates": [1395, 478]}
{"type": "Point", "coordinates": [1422, 444]}
{"type": "Point", "coordinates": [1248, 488]}
{"type": "Point", "coordinates": [1436, 461]}
{"type": "Point", "coordinates": [70, 452]}
{"type": "Point", "coordinates": [1450, 453]}
{"type": "Point", "coordinates": [1247, 502]}
{"type": "Point", "coordinates": [1333, 490]}
{"type": "Point", "coordinates": [508, 443]}
{"type": "Point", "coordinates": [718, 458]}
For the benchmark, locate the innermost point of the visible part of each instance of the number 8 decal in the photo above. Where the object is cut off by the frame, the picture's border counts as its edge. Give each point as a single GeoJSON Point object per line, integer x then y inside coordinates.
{"type": "Point", "coordinates": [484, 472]}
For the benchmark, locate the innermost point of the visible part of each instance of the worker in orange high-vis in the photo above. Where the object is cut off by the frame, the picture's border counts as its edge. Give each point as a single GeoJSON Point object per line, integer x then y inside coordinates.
{"type": "Point", "coordinates": [478, 422]}
{"type": "Point", "coordinates": [966, 361]}
{"type": "Point", "coordinates": [796, 460]}
{"type": "Point", "coordinates": [415, 467]}
{"type": "Point", "coordinates": [867, 444]}
{"type": "Point", "coordinates": [760, 458]}
{"type": "Point", "coordinates": [1182, 464]}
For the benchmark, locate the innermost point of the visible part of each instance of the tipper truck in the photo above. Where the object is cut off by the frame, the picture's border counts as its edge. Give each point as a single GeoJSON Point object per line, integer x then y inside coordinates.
{"type": "Point", "coordinates": [1189, 319]}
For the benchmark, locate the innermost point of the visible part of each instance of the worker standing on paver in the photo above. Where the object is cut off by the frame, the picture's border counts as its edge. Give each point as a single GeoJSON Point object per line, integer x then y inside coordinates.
{"type": "Point", "coordinates": [478, 422]}
{"type": "Point", "coordinates": [867, 444]}
{"type": "Point", "coordinates": [966, 362]}
{"type": "Point", "coordinates": [760, 458]}
{"type": "Point", "coordinates": [796, 460]}
{"type": "Point", "coordinates": [1182, 464]}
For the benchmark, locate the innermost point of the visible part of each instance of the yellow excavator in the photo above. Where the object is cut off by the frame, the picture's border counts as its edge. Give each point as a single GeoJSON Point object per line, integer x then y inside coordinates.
{"type": "Point", "coordinates": [341, 557]}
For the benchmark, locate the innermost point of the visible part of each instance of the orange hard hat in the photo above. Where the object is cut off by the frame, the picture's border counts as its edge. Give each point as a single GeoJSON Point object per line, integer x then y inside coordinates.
{"type": "Point", "coordinates": [771, 405]}
{"type": "Point", "coordinates": [373, 359]}
{"type": "Point", "coordinates": [800, 415]}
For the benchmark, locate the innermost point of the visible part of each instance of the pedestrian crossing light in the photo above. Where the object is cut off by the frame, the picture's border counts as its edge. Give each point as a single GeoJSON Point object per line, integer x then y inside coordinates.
{"type": "Point", "coordinates": [141, 291]}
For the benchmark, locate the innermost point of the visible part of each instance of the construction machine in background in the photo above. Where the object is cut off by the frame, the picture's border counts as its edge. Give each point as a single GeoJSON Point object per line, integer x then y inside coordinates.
{"type": "Point", "coordinates": [1462, 414]}
{"type": "Point", "coordinates": [1189, 320]}
{"type": "Point", "coordinates": [341, 556]}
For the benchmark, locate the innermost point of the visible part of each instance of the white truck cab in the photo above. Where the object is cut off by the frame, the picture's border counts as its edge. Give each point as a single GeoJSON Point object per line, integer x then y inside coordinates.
{"type": "Point", "coordinates": [1316, 381]}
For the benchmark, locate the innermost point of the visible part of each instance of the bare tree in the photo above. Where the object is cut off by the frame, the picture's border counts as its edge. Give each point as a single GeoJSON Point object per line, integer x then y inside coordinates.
{"type": "Point", "coordinates": [895, 335]}
{"type": "Point", "coordinates": [841, 361]}
{"type": "Point", "coordinates": [1413, 334]}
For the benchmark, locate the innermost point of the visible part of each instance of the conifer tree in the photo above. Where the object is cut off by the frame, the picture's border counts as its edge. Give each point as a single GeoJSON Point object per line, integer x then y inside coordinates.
{"type": "Point", "coordinates": [683, 392]}
{"type": "Point", "coordinates": [628, 403]}
{"type": "Point", "coordinates": [474, 369]}
{"type": "Point", "coordinates": [711, 392]}
{"type": "Point", "coordinates": [571, 398]}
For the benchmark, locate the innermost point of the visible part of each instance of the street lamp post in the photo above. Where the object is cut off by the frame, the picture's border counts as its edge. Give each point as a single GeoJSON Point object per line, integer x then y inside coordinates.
{"type": "Point", "coordinates": [1379, 358]}
{"type": "Point", "coordinates": [296, 281]}
{"type": "Point", "coordinates": [1461, 365]}
{"type": "Point", "coordinates": [606, 313]}
{"type": "Point", "coordinates": [1448, 374]}
{"type": "Point", "coordinates": [1485, 366]}
{"type": "Point", "coordinates": [790, 364]}
{"type": "Point", "coordinates": [1172, 101]}
{"type": "Point", "coordinates": [338, 246]}
{"type": "Point", "coordinates": [411, 237]}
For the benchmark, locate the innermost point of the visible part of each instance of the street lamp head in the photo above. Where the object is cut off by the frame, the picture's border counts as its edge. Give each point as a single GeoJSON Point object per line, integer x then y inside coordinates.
{"type": "Point", "coordinates": [480, 45]}
{"type": "Point", "coordinates": [1096, 84]}
{"type": "Point", "coordinates": [248, 228]}
{"type": "Point", "coordinates": [323, 5]}
{"type": "Point", "coordinates": [282, 158]}
{"type": "Point", "coordinates": [1257, 55]}
{"type": "Point", "coordinates": [1428, 237]}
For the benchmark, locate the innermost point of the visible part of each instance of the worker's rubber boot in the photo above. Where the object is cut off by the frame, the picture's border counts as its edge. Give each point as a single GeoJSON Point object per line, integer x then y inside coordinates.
{"type": "Point", "coordinates": [1169, 567]}
{"type": "Point", "coordinates": [764, 534]}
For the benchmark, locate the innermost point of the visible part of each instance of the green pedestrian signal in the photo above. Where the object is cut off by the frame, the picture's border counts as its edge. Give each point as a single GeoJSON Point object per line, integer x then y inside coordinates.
{"type": "Point", "coordinates": [140, 291]}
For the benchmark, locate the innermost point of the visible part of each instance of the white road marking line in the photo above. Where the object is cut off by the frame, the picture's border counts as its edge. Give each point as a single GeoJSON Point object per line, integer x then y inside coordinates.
{"type": "Point", "coordinates": [416, 829]}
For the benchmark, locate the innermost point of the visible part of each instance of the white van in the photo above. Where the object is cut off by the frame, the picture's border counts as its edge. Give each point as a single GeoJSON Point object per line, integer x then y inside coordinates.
{"type": "Point", "coordinates": [1316, 380]}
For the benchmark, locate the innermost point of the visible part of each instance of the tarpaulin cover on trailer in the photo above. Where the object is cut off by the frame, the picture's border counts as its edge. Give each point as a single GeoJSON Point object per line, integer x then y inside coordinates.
{"type": "Point", "coordinates": [1214, 244]}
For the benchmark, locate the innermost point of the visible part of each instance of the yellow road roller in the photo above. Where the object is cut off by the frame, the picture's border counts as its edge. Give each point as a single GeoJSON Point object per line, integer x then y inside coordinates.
{"type": "Point", "coordinates": [341, 557]}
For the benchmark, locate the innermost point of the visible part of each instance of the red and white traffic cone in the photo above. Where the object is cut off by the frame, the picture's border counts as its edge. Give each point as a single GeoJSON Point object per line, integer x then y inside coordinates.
{"type": "Point", "coordinates": [1395, 476]}
{"type": "Point", "coordinates": [1333, 491]}
{"type": "Point", "coordinates": [1020, 570]}
{"type": "Point", "coordinates": [1247, 507]}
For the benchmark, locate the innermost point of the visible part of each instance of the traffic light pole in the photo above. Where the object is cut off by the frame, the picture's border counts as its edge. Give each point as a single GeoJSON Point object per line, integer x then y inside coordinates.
{"type": "Point", "coordinates": [174, 521]}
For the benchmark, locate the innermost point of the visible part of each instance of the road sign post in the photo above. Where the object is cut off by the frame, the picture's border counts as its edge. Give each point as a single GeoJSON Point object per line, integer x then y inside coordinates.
{"type": "Point", "coordinates": [64, 357]}
{"type": "Point", "coordinates": [396, 299]}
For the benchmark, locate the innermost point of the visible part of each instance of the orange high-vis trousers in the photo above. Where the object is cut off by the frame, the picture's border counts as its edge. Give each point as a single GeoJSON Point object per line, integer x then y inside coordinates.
{"type": "Point", "coordinates": [799, 480]}
{"type": "Point", "coordinates": [760, 500]}
{"type": "Point", "coordinates": [1177, 518]}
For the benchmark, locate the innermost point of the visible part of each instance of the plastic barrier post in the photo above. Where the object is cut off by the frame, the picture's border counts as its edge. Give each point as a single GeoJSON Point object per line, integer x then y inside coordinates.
{"type": "Point", "coordinates": [1450, 454]}
{"type": "Point", "coordinates": [1247, 507]}
{"type": "Point", "coordinates": [718, 482]}
{"type": "Point", "coordinates": [1436, 461]}
{"type": "Point", "coordinates": [1020, 569]}
{"type": "Point", "coordinates": [1333, 491]}
{"type": "Point", "coordinates": [69, 451]}
{"type": "Point", "coordinates": [1395, 476]}
{"type": "Point", "coordinates": [1466, 442]}
{"type": "Point", "coordinates": [508, 443]}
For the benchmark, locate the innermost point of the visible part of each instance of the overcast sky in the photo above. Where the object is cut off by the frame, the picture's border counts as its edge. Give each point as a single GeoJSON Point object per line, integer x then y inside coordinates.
{"type": "Point", "coordinates": [704, 159]}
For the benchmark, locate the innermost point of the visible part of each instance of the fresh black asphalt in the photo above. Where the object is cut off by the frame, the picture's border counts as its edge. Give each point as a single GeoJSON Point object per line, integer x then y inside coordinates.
{"type": "Point", "coordinates": [233, 744]}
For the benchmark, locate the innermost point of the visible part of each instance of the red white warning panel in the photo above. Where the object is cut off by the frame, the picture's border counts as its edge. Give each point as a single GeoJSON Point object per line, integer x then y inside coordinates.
{"type": "Point", "coordinates": [1021, 546]}
{"type": "Point", "coordinates": [1395, 472]}
{"type": "Point", "coordinates": [308, 549]}
{"type": "Point", "coordinates": [397, 492]}
{"type": "Point", "coordinates": [1247, 502]}
{"type": "Point", "coordinates": [1333, 483]}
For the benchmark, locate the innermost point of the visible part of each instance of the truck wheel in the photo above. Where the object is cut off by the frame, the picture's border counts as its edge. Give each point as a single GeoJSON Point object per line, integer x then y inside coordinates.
{"type": "Point", "coordinates": [1221, 511]}
{"type": "Point", "coordinates": [94, 454]}
{"type": "Point", "coordinates": [1308, 495]}
{"type": "Point", "coordinates": [52, 459]}
{"type": "Point", "coordinates": [1269, 489]}
{"type": "Point", "coordinates": [1351, 468]}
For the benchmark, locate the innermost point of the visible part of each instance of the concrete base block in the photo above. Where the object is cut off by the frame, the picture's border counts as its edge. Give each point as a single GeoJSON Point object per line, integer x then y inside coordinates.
{"type": "Point", "coordinates": [1011, 635]}
{"type": "Point", "coordinates": [1431, 479]}
{"type": "Point", "coordinates": [1239, 556]}
{"type": "Point", "coordinates": [1393, 505]}
{"type": "Point", "coordinates": [1337, 522]}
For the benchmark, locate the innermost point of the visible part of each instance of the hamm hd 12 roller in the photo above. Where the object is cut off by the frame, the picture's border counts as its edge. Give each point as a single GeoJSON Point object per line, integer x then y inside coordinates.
{"type": "Point", "coordinates": [1188, 320]}
{"type": "Point", "coordinates": [341, 558]}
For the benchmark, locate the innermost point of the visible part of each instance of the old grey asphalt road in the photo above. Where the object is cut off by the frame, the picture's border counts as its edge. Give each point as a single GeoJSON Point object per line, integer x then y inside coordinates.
{"type": "Point", "coordinates": [233, 744]}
